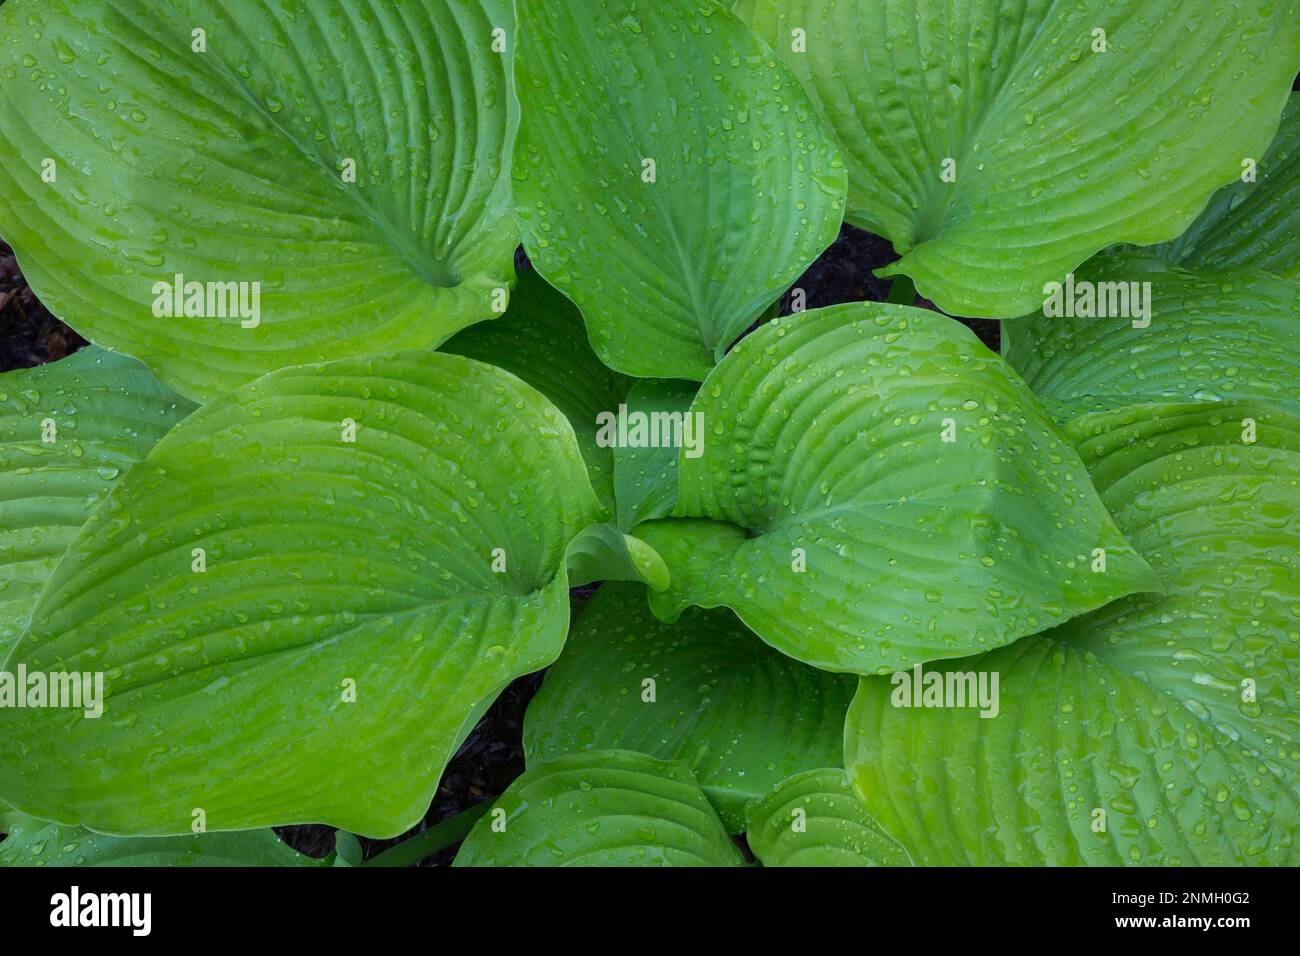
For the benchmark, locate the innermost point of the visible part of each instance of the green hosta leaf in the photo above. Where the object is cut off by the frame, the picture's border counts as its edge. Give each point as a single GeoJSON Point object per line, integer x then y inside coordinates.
{"type": "Point", "coordinates": [67, 431]}
{"type": "Point", "coordinates": [9, 817]}
{"type": "Point", "coordinates": [234, 164]}
{"type": "Point", "coordinates": [601, 552]}
{"type": "Point", "coordinates": [1177, 716]}
{"type": "Point", "coordinates": [347, 850]}
{"type": "Point", "coordinates": [420, 566]}
{"type": "Point", "coordinates": [1212, 335]}
{"type": "Point", "coordinates": [602, 808]}
{"type": "Point", "coordinates": [542, 340]}
{"type": "Point", "coordinates": [645, 478]}
{"type": "Point", "coordinates": [844, 528]}
{"type": "Point", "coordinates": [1056, 151]}
{"type": "Point", "coordinates": [1254, 224]}
{"type": "Point", "coordinates": [672, 204]}
{"type": "Point", "coordinates": [34, 842]}
{"type": "Point", "coordinates": [814, 819]}
{"type": "Point", "coordinates": [744, 716]}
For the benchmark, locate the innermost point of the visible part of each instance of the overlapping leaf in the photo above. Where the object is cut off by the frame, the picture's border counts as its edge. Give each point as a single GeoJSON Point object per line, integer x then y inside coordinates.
{"type": "Point", "coordinates": [34, 842]}
{"type": "Point", "coordinates": [998, 148]}
{"type": "Point", "coordinates": [1254, 223]}
{"type": "Point", "coordinates": [601, 552]}
{"type": "Point", "coordinates": [645, 477]}
{"type": "Point", "coordinates": [601, 808]}
{"type": "Point", "coordinates": [68, 430]}
{"type": "Point", "coordinates": [846, 529]}
{"type": "Point", "coordinates": [351, 157]}
{"type": "Point", "coordinates": [1212, 334]}
{"type": "Point", "coordinates": [1156, 730]}
{"type": "Point", "coordinates": [814, 819]}
{"type": "Point", "coordinates": [354, 607]}
{"type": "Point", "coordinates": [704, 690]}
{"type": "Point", "coordinates": [671, 176]}
{"type": "Point", "coordinates": [541, 339]}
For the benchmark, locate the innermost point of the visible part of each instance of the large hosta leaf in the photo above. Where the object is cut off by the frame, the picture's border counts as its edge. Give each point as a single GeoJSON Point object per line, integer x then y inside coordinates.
{"type": "Point", "coordinates": [1055, 151]}
{"type": "Point", "coordinates": [33, 842]}
{"type": "Point", "coordinates": [1213, 335]}
{"type": "Point", "coordinates": [68, 430]}
{"type": "Point", "coordinates": [363, 601]}
{"type": "Point", "coordinates": [814, 819]}
{"type": "Point", "coordinates": [743, 716]}
{"type": "Point", "coordinates": [848, 532]}
{"type": "Point", "coordinates": [541, 339]}
{"type": "Point", "coordinates": [129, 156]}
{"type": "Point", "coordinates": [602, 808]}
{"type": "Point", "coordinates": [1157, 730]}
{"type": "Point", "coordinates": [670, 177]}
{"type": "Point", "coordinates": [1257, 223]}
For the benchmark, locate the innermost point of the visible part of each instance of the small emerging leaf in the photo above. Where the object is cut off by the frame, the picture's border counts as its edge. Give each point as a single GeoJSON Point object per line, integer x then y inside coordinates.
{"type": "Point", "coordinates": [600, 552]}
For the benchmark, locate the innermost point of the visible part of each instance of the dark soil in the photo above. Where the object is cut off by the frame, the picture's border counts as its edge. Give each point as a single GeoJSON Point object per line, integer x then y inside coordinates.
{"type": "Point", "coordinates": [492, 756]}
{"type": "Point", "coordinates": [29, 334]}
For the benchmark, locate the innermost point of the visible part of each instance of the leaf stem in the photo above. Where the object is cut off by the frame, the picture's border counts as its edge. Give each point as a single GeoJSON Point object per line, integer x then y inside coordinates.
{"type": "Point", "coordinates": [426, 844]}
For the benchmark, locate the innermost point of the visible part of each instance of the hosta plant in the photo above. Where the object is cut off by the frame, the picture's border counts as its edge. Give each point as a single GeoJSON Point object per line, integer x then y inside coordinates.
{"type": "Point", "coordinates": [832, 586]}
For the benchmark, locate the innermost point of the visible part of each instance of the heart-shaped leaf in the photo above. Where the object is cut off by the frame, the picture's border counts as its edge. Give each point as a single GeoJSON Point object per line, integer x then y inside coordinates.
{"type": "Point", "coordinates": [601, 808]}
{"type": "Point", "coordinates": [1227, 334]}
{"type": "Point", "coordinates": [33, 842]}
{"type": "Point", "coordinates": [671, 177]}
{"type": "Point", "coordinates": [883, 490]}
{"type": "Point", "coordinates": [541, 339]}
{"type": "Point", "coordinates": [67, 431]}
{"type": "Point", "coordinates": [704, 690]}
{"type": "Point", "coordinates": [302, 600]}
{"type": "Point", "coordinates": [814, 819]}
{"type": "Point", "coordinates": [645, 475]}
{"type": "Point", "coordinates": [1254, 222]}
{"type": "Point", "coordinates": [1156, 730]}
{"type": "Point", "coordinates": [223, 191]}
{"type": "Point", "coordinates": [999, 145]}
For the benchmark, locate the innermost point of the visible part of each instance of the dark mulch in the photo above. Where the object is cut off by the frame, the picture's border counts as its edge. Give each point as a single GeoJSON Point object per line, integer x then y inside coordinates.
{"type": "Point", "coordinates": [29, 334]}
{"type": "Point", "coordinates": [845, 273]}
